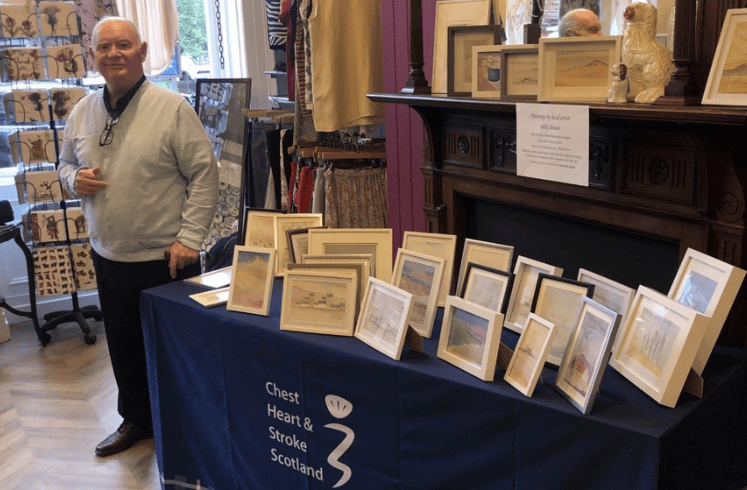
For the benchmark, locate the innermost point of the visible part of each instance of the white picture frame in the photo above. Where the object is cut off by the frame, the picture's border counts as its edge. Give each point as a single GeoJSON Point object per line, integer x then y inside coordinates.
{"type": "Point", "coordinates": [611, 294]}
{"type": "Point", "coordinates": [528, 359]}
{"type": "Point", "coordinates": [560, 300]}
{"type": "Point", "coordinates": [321, 302]}
{"type": "Point", "coordinates": [493, 255]}
{"type": "Point", "coordinates": [581, 371]}
{"type": "Point", "coordinates": [421, 276]}
{"type": "Point", "coordinates": [342, 241]}
{"type": "Point", "coordinates": [218, 278]}
{"type": "Point", "coordinates": [284, 223]}
{"type": "Point", "coordinates": [709, 286]}
{"type": "Point", "coordinates": [382, 323]}
{"type": "Point", "coordinates": [261, 229]}
{"type": "Point", "coordinates": [439, 245]}
{"type": "Point", "coordinates": [251, 280]}
{"type": "Point", "coordinates": [487, 287]}
{"type": "Point", "coordinates": [726, 84]}
{"type": "Point", "coordinates": [526, 273]}
{"type": "Point", "coordinates": [657, 345]}
{"type": "Point", "coordinates": [470, 337]}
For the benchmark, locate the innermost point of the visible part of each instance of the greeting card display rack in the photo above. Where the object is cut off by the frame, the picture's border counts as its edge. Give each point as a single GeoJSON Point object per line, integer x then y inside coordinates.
{"type": "Point", "coordinates": [42, 65]}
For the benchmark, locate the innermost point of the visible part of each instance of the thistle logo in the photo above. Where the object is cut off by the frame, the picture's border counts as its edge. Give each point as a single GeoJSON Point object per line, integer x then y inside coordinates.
{"type": "Point", "coordinates": [340, 408]}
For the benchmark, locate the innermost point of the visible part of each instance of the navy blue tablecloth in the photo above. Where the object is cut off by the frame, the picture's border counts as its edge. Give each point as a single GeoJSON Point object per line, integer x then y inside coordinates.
{"type": "Point", "coordinates": [238, 404]}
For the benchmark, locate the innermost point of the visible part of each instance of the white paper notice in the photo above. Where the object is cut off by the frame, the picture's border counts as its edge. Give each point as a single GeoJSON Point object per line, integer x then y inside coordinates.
{"type": "Point", "coordinates": [552, 142]}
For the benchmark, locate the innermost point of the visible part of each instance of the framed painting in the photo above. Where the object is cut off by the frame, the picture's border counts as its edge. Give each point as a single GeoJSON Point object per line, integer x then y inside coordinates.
{"type": "Point", "coordinates": [470, 337]}
{"type": "Point", "coordinates": [453, 13]}
{"type": "Point", "coordinates": [382, 323]}
{"type": "Point", "coordinates": [365, 261]}
{"type": "Point", "coordinates": [526, 273]}
{"type": "Point", "coordinates": [528, 359]}
{"type": "Point", "coordinates": [214, 279]}
{"type": "Point", "coordinates": [520, 68]}
{"type": "Point", "coordinates": [252, 280]}
{"type": "Point", "coordinates": [709, 286]}
{"type": "Point", "coordinates": [611, 294]}
{"type": "Point", "coordinates": [293, 221]}
{"type": "Point", "coordinates": [559, 300]}
{"type": "Point", "coordinates": [582, 368]}
{"type": "Point", "coordinates": [727, 80]}
{"type": "Point", "coordinates": [298, 244]}
{"type": "Point", "coordinates": [419, 275]}
{"type": "Point", "coordinates": [374, 241]}
{"type": "Point", "coordinates": [577, 69]}
{"type": "Point", "coordinates": [461, 40]}
{"type": "Point", "coordinates": [439, 245]}
{"type": "Point", "coordinates": [261, 228]}
{"type": "Point", "coordinates": [493, 255]}
{"type": "Point", "coordinates": [319, 301]}
{"type": "Point", "coordinates": [658, 344]}
{"type": "Point", "coordinates": [486, 71]}
{"type": "Point", "coordinates": [361, 271]}
{"type": "Point", "coordinates": [487, 287]}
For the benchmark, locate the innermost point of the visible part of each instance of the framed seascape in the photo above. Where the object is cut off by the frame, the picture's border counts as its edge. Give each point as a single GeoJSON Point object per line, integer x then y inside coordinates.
{"type": "Point", "coordinates": [382, 323]}
{"type": "Point", "coordinates": [528, 359]}
{"type": "Point", "coordinates": [251, 280]}
{"type": "Point", "coordinates": [526, 273]}
{"type": "Point", "coordinates": [487, 287]}
{"type": "Point", "coordinates": [439, 245]}
{"type": "Point", "coordinates": [470, 337]}
{"type": "Point", "coordinates": [319, 301]}
{"type": "Point", "coordinates": [609, 293]}
{"type": "Point", "coordinates": [657, 345]}
{"type": "Point", "coordinates": [493, 255]}
{"type": "Point", "coordinates": [419, 275]}
{"type": "Point", "coordinates": [582, 368]}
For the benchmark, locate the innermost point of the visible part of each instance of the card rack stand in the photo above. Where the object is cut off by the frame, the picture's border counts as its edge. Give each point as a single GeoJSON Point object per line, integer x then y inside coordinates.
{"type": "Point", "coordinates": [76, 313]}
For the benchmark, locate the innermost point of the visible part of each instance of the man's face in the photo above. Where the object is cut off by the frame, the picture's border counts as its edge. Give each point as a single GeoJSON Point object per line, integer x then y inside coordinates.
{"type": "Point", "coordinates": [118, 54]}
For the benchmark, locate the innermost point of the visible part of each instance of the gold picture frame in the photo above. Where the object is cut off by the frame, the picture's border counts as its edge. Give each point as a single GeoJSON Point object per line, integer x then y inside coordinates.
{"type": "Point", "coordinates": [577, 69]}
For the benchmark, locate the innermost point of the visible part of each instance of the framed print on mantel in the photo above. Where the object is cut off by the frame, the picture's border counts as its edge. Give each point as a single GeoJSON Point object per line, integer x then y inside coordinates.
{"type": "Point", "coordinates": [519, 72]}
{"type": "Point", "coordinates": [453, 13]}
{"type": "Point", "coordinates": [709, 286]}
{"type": "Point", "coordinates": [486, 71]}
{"type": "Point", "coordinates": [459, 59]}
{"type": "Point", "coordinates": [577, 69]}
{"type": "Point", "coordinates": [470, 337]}
{"type": "Point", "coordinates": [657, 345]}
{"type": "Point", "coordinates": [727, 79]}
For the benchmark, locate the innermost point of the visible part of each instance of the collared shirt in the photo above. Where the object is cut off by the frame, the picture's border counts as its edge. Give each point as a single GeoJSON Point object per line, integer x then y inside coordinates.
{"type": "Point", "coordinates": [122, 101]}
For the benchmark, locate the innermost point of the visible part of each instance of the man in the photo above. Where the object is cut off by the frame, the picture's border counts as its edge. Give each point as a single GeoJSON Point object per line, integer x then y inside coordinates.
{"type": "Point", "coordinates": [139, 159]}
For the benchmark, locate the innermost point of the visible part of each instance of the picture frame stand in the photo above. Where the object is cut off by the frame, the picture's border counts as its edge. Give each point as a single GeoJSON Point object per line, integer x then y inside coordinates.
{"type": "Point", "coordinates": [694, 384]}
{"type": "Point", "coordinates": [505, 353]}
{"type": "Point", "coordinates": [413, 340]}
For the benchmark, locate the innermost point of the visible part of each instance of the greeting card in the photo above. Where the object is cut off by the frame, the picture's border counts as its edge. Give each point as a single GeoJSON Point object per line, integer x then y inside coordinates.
{"type": "Point", "coordinates": [43, 187]}
{"type": "Point", "coordinates": [33, 146]}
{"type": "Point", "coordinates": [18, 20]}
{"type": "Point", "coordinates": [58, 19]}
{"type": "Point", "coordinates": [53, 271]}
{"type": "Point", "coordinates": [65, 61]}
{"type": "Point", "coordinates": [25, 106]}
{"type": "Point", "coordinates": [22, 64]}
{"type": "Point", "coordinates": [85, 275]}
{"type": "Point", "coordinates": [64, 99]}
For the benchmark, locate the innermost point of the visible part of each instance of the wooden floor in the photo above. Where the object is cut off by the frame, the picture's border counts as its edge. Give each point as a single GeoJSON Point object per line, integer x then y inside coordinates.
{"type": "Point", "coordinates": [56, 403]}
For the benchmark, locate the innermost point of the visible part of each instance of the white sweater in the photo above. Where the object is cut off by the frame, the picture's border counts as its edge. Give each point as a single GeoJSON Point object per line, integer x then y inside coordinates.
{"type": "Point", "coordinates": [160, 169]}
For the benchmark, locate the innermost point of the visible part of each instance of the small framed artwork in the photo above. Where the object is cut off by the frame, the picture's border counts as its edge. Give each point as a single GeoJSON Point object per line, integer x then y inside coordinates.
{"type": "Point", "coordinates": [382, 323]}
{"type": "Point", "coordinates": [453, 13]}
{"type": "Point", "coordinates": [439, 245]}
{"type": "Point", "coordinates": [487, 287]}
{"type": "Point", "coordinates": [293, 221]}
{"type": "Point", "coordinates": [213, 279]}
{"type": "Point", "coordinates": [612, 294]}
{"type": "Point", "coordinates": [459, 58]}
{"type": "Point", "coordinates": [528, 359]}
{"type": "Point", "coordinates": [727, 82]}
{"type": "Point", "coordinates": [520, 67]}
{"type": "Point", "coordinates": [526, 273]}
{"type": "Point", "coordinates": [361, 271]}
{"type": "Point", "coordinates": [319, 301]}
{"type": "Point", "coordinates": [214, 297]}
{"type": "Point", "coordinates": [559, 300]}
{"type": "Point", "coordinates": [366, 262]}
{"type": "Point", "coordinates": [582, 368]}
{"type": "Point", "coordinates": [709, 286]}
{"type": "Point", "coordinates": [374, 241]}
{"type": "Point", "coordinates": [261, 228]}
{"type": "Point", "coordinates": [298, 244]}
{"type": "Point", "coordinates": [577, 69]}
{"type": "Point", "coordinates": [493, 255]}
{"type": "Point", "coordinates": [486, 71]}
{"type": "Point", "coordinates": [419, 275]}
{"type": "Point", "coordinates": [251, 280]}
{"type": "Point", "coordinates": [658, 344]}
{"type": "Point", "coordinates": [470, 336]}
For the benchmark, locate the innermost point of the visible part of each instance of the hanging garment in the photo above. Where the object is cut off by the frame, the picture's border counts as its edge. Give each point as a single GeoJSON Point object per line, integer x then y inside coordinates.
{"type": "Point", "coordinates": [346, 63]}
{"type": "Point", "coordinates": [317, 201]}
{"type": "Point", "coordinates": [305, 189]}
{"type": "Point", "coordinates": [356, 198]}
{"type": "Point", "coordinates": [276, 31]}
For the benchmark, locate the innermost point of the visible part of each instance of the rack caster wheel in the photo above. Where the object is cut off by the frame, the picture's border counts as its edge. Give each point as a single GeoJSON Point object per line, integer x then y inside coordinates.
{"type": "Point", "coordinates": [89, 339]}
{"type": "Point", "coordinates": [44, 339]}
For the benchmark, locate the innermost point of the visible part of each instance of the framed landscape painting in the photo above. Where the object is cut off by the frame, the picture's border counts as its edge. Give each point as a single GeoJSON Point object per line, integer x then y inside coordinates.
{"type": "Point", "coordinates": [727, 79]}
{"type": "Point", "coordinates": [382, 323]}
{"type": "Point", "coordinates": [526, 274]}
{"type": "Point", "coordinates": [526, 363]}
{"type": "Point", "coordinates": [439, 245]}
{"type": "Point", "coordinates": [251, 280]}
{"type": "Point", "coordinates": [374, 241]}
{"type": "Point", "coordinates": [419, 275]}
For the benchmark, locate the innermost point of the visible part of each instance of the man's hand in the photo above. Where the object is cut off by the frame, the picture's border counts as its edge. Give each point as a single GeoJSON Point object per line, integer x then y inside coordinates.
{"type": "Point", "coordinates": [87, 182]}
{"type": "Point", "coordinates": [179, 257]}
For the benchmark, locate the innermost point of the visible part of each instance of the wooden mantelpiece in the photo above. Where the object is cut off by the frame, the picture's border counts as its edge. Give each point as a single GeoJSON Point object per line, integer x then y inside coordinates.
{"type": "Point", "coordinates": [673, 175]}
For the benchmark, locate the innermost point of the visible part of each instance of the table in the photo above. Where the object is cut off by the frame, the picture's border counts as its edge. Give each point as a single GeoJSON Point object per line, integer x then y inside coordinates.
{"type": "Point", "coordinates": [239, 404]}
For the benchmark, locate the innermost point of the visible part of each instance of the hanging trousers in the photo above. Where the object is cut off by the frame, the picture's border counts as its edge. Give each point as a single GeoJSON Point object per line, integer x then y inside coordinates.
{"type": "Point", "coordinates": [119, 286]}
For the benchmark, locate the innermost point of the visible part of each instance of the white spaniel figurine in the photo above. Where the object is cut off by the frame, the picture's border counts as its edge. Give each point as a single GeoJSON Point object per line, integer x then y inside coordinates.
{"type": "Point", "coordinates": [649, 62]}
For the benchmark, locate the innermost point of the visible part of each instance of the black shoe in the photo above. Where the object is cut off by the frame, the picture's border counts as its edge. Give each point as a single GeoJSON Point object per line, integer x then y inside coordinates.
{"type": "Point", "coordinates": [123, 438]}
